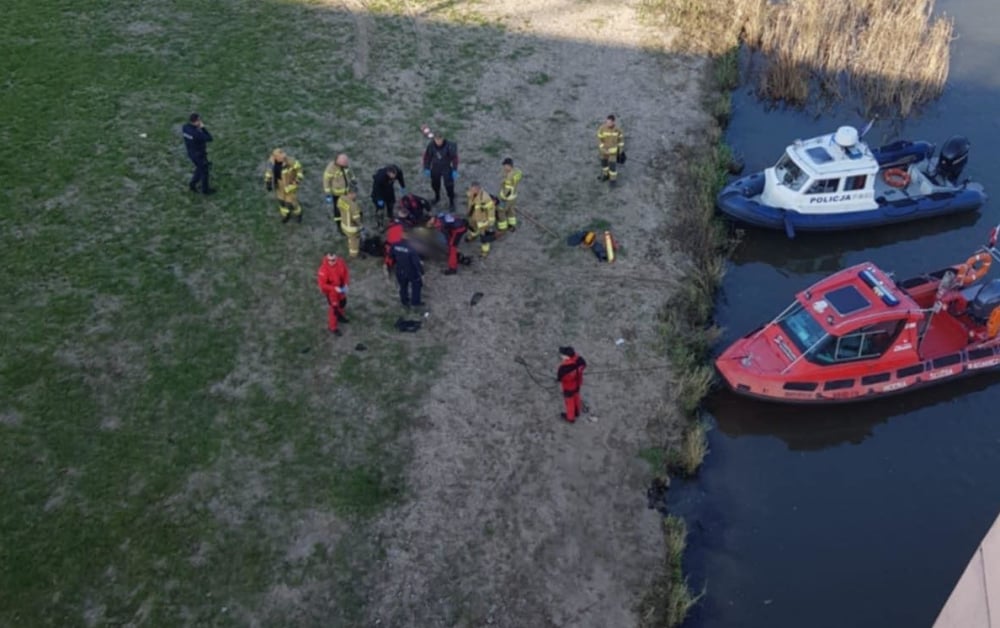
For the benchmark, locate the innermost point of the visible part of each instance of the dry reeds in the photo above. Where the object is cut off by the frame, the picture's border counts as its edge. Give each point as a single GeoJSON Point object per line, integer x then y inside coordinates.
{"type": "Point", "coordinates": [670, 599]}
{"type": "Point", "coordinates": [702, 243]}
{"type": "Point", "coordinates": [893, 53]}
{"type": "Point", "coordinates": [685, 459]}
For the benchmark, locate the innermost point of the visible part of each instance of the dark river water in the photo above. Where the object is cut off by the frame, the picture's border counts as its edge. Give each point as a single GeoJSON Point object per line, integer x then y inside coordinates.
{"type": "Point", "coordinates": [861, 515]}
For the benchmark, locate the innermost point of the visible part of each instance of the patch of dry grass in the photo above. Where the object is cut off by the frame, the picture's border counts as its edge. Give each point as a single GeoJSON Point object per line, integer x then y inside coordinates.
{"type": "Point", "coordinates": [703, 242]}
{"type": "Point", "coordinates": [893, 53]}
{"type": "Point", "coordinates": [687, 457]}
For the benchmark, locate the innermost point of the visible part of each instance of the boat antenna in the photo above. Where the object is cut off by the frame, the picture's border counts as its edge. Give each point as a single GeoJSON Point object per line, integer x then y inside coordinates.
{"type": "Point", "coordinates": [947, 282]}
{"type": "Point", "coordinates": [868, 127]}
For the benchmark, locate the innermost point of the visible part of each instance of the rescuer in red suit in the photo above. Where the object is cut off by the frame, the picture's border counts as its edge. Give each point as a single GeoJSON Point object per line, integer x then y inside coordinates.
{"type": "Point", "coordinates": [570, 376]}
{"type": "Point", "coordinates": [333, 278]}
{"type": "Point", "coordinates": [453, 229]}
{"type": "Point", "coordinates": [393, 235]}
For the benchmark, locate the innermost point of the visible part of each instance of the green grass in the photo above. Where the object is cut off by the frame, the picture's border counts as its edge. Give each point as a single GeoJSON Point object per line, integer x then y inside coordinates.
{"type": "Point", "coordinates": [171, 406]}
{"type": "Point", "coordinates": [655, 457]}
{"type": "Point", "coordinates": [538, 78]}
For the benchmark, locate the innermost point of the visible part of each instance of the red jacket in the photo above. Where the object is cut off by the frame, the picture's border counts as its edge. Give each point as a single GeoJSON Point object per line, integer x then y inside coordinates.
{"type": "Point", "coordinates": [570, 373]}
{"type": "Point", "coordinates": [394, 233]}
{"type": "Point", "coordinates": [331, 276]}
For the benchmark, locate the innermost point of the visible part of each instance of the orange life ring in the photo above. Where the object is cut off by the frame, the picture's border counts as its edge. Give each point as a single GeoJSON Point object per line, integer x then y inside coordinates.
{"type": "Point", "coordinates": [974, 268]}
{"type": "Point", "coordinates": [896, 177]}
{"type": "Point", "coordinates": [993, 324]}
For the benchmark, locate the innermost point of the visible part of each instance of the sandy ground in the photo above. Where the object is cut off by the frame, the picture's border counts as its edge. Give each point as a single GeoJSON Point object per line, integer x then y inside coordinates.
{"type": "Point", "coordinates": [516, 518]}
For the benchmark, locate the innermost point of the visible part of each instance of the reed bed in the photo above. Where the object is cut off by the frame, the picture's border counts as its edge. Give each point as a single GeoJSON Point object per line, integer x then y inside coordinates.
{"type": "Point", "coordinates": [893, 54]}
{"type": "Point", "coordinates": [700, 243]}
{"type": "Point", "coordinates": [668, 602]}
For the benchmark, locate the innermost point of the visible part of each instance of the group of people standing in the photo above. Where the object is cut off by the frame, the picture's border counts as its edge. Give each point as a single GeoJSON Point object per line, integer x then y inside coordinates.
{"type": "Point", "coordinates": [486, 218]}
{"type": "Point", "coordinates": [399, 221]}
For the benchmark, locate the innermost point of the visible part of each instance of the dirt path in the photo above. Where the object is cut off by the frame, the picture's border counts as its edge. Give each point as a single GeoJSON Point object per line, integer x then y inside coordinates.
{"type": "Point", "coordinates": [516, 518]}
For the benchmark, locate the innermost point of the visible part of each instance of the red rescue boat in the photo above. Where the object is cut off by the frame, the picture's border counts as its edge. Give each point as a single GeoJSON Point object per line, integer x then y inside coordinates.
{"type": "Point", "coordinates": [859, 334]}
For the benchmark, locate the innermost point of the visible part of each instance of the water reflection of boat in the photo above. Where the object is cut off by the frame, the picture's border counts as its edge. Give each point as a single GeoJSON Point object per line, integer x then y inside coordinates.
{"type": "Point", "coordinates": [828, 426]}
{"type": "Point", "coordinates": [806, 255]}
{"type": "Point", "coordinates": [835, 181]}
{"type": "Point", "coordinates": [859, 334]}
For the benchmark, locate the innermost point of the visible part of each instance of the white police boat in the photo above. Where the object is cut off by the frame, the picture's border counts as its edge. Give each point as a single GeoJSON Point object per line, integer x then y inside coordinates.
{"type": "Point", "coordinates": [835, 181]}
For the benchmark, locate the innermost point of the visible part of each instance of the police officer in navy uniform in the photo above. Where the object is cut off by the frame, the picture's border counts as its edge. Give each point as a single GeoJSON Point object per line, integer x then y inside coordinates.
{"type": "Point", "coordinates": [409, 272]}
{"type": "Point", "coordinates": [196, 136]}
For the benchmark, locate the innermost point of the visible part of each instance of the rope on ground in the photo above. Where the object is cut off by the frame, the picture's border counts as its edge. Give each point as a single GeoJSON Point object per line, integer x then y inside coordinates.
{"type": "Point", "coordinates": [633, 369]}
{"type": "Point", "coordinates": [536, 222]}
{"type": "Point", "coordinates": [527, 369]}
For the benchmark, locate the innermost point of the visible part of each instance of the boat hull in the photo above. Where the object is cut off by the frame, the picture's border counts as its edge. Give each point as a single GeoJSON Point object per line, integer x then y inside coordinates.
{"type": "Point", "coordinates": [740, 201]}
{"type": "Point", "coordinates": [895, 380]}
{"type": "Point", "coordinates": [952, 349]}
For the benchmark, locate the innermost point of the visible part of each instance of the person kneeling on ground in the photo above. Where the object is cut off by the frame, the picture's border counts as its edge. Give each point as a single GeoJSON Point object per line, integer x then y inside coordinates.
{"type": "Point", "coordinates": [417, 210]}
{"type": "Point", "coordinates": [452, 228]}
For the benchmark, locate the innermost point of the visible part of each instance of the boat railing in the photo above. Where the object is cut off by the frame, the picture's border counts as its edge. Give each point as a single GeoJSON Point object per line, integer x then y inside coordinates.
{"type": "Point", "coordinates": [805, 353]}
{"type": "Point", "coordinates": [948, 281]}
{"type": "Point", "coordinates": [859, 320]}
{"type": "Point", "coordinates": [776, 319]}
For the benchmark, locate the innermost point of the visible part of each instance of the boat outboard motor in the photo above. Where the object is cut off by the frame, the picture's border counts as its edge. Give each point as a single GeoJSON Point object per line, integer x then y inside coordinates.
{"type": "Point", "coordinates": [953, 158]}
{"type": "Point", "coordinates": [985, 301]}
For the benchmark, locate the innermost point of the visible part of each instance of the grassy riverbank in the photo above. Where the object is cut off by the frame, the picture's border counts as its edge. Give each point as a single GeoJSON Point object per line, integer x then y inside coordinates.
{"type": "Point", "coordinates": [702, 241]}
{"type": "Point", "coordinates": [181, 438]}
{"type": "Point", "coordinates": [183, 442]}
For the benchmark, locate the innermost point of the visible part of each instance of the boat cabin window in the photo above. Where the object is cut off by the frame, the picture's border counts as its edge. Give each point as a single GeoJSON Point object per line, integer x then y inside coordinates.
{"type": "Point", "coordinates": [856, 183]}
{"type": "Point", "coordinates": [823, 186]}
{"type": "Point", "coordinates": [799, 325]}
{"type": "Point", "coordinates": [865, 343]}
{"type": "Point", "coordinates": [789, 173]}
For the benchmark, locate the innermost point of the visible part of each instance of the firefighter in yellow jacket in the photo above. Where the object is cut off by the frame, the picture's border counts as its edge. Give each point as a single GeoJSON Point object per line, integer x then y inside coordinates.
{"type": "Point", "coordinates": [350, 221]}
{"type": "Point", "coordinates": [611, 147]}
{"type": "Point", "coordinates": [283, 175]}
{"type": "Point", "coordinates": [337, 179]}
{"type": "Point", "coordinates": [506, 216]}
{"type": "Point", "coordinates": [482, 217]}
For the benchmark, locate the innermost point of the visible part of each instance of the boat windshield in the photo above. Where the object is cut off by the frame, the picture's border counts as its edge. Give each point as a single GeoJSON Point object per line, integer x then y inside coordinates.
{"type": "Point", "coordinates": [789, 173]}
{"type": "Point", "coordinates": [799, 325]}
